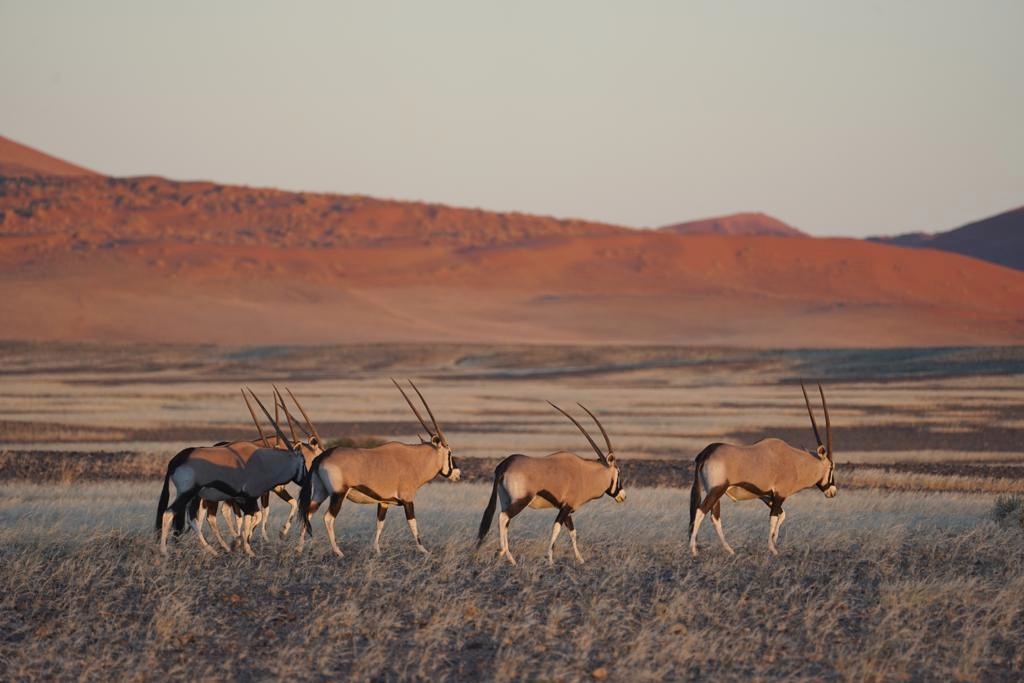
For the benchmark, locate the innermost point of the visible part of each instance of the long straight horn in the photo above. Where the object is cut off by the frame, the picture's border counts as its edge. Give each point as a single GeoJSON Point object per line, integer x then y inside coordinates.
{"type": "Point", "coordinates": [607, 441]}
{"type": "Point", "coordinates": [814, 425]}
{"type": "Point", "coordinates": [279, 400]}
{"type": "Point", "coordinates": [433, 419]}
{"type": "Point", "coordinates": [828, 423]}
{"type": "Point", "coordinates": [292, 418]}
{"type": "Point", "coordinates": [253, 413]}
{"type": "Point", "coordinates": [277, 428]}
{"type": "Point", "coordinates": [305, 416]}
{"type": "Point", "coordinates": [414, 411]}
{"type": "Point", "coordinates": [578, 425]}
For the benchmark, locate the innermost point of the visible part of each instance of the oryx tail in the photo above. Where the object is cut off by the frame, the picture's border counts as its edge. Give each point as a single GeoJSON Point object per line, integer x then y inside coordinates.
{"type": "Point", "coordinates": [165, 494]}
{"type": "Point", "coordinates": [698, 465]}
{"type": "Point", "coordinates": [306, 493]}
{"type": "Point", "coordinates": [485, 523]}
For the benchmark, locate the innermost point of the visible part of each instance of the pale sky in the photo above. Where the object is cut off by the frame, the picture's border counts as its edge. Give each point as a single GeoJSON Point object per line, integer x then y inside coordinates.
{"type": "Point", "coordinates": [840, 118]}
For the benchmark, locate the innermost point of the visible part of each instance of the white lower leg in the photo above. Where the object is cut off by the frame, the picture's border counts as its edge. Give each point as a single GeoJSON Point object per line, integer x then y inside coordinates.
{"type": "Point", "coordinates": [416, 535]}
{"type": "Point", "coordinates": [555, 530]}
{"type": "Point", "coordinates": [772, 527]}
{"type": "Point", "coordinates": [376, 536]}
{"type": "Point", "coordinates": [215, 528]}
{"type": "Point", "coordinates": [717, 521]}
{"type": "Point", "coordinates": [503, 522]}
{"type": "Point", "coordinates": [265, 512]}
{"type": "Point", "coordinates": [197, 525]}
{"type": "Point", "coordinates": [575, 547]}
{"type": "Point", "coordinates": [329, 523]}
{"type": "Point", "coordinates": [696, 527]}
{"type": "Point", "coordinates": [293, 507]}
{"type": "Point", "coordinates": [248, 523]}
{"type": "Point", "coordinates": [165, 529]}
{"type": "Point", "coordinates": [231, 521]}
{"type": "Point", "coordinates": [778, 527]}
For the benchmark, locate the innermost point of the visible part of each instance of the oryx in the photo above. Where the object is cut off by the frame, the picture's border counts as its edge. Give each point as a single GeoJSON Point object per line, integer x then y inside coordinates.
{"type": "Point", "coordinates": [207, 506]}
{"type": "Point", "coordinates": [562, 480]}
{"type": "Point", "coordinates": [770, 470]}
{"type": "Point", "coordinates": [220, 470]}
{"type": "Point", "coordinates": [387, 475]}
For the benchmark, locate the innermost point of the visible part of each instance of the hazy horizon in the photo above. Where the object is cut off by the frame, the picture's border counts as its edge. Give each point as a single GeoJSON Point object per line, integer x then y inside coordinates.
{"type": "Point", "coordinates": [837, 119]}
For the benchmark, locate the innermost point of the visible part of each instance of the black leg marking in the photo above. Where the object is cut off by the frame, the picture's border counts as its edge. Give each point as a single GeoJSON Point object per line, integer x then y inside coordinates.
{"type": "Point", "coordinates": [382, 512]}
{"type": "Point", "coordinates": [410, 510]}
{"type": "Point", "coordinates": [336, 501]}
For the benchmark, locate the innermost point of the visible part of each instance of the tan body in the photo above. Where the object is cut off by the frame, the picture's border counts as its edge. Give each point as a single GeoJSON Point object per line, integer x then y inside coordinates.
{"type": "Point", "coordinates": [387, 475]}
{"type": "Point", "coordinates": [562, 480]}
{"type": "Point", "coordinates": [770, 471]}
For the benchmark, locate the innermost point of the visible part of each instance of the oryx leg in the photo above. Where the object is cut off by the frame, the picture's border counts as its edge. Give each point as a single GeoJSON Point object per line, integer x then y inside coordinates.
{"type": "Point", "coordinates": [293, 507]}
{"type": "Point", "coordinates": [250, 518]}
{"type": "Point", "coordinates": [504, 519]}
{"type": "Point", "coordinates": [572, 536]}
{"type": "Point", "coordinates": [332, 512]}
{"type": "Point", "coordinates": [265, 503]}
{"type": "Point", "coordinates": [710, 500]}
{"type": "Point", "coordinates": [382, 512]}
{"type": "Point", "coordinates": [232, 519]}
{"type": "Point", "coordinates": [556, 529]}
{"type": "Point", "coordinates": [197, 524]}
{"type": "Point", "coordinates": [716, 519]}
{"type": "Point", "coordinates": [178, 507]}
{"type": "Point", "coordinates": [776, 520]}
{"type": "Point", "coordinates": [410, 516]}
{"type": "Point", "coordinates": [211, 506]}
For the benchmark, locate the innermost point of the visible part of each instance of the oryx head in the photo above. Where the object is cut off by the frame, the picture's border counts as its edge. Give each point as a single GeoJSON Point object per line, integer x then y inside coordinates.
{"type": "Point", "coordinates": [614, 489]}
{"type": "Point", "coordinates": [827, 484]}
{"type": "Point", "coordinates": [438, 441]}
{"type": "Point", "coordinates": [313, 445]}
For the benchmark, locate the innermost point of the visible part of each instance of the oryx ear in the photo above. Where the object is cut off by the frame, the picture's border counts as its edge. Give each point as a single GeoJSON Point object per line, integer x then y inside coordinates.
{"type": "Point", "coordinates": [436, 440]}
{"type": "Point", "coordinates": [610, 459]}
{"type": "Point", "coordinates": [821, 451]}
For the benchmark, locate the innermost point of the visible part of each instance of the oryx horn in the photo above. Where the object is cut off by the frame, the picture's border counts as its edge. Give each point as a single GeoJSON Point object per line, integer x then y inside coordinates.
{"type": "Point", "coordinates": [593, 445]}
{"type": "Point", "coordinates": [828, 423]}
{"type": "Point", "coordinates": [810, 413]}
{"type": "Point", "coordinates": [415, 412]}
{"type": "Point", "coordinates": [433, 419]}
{"type": "Point", "coordinates": [279, 401]}
{"type": "Point", "coordinates": [607, 441]}
{"type": "Point", "coordinates": [305, 417]}
{"type": "Point", "coordinates": [277, 428]}
{"type": "Point", "coordinates": [253, 413]}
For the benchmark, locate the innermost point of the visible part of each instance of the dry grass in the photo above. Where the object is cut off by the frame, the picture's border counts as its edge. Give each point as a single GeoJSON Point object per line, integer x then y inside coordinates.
{"type": "Point", "coordinates": [870, 585]}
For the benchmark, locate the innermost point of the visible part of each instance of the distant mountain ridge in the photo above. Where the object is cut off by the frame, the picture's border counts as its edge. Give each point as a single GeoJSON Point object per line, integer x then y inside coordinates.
{"type": "Point", "coordinates": [89, 257]}
{"type": "Point", "coordinates": [998, 239]}
{"type": "Point", "coordinates": [749, 223]}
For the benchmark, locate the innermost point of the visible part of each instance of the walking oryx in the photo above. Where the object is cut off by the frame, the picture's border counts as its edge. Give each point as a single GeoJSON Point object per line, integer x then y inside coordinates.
{"type": "Point", "coordinates": [562, 480]}
{"type": "Point", "coordinates": [220, 470]}
{"type": "Point", "coordinates": [770, 470]}
{"type": "Point", "coordinates": [387, 475]}
{"type": "Point", "coordinates": [208, 505]}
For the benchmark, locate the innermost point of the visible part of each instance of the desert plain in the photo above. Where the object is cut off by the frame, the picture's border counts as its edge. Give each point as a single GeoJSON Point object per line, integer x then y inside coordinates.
{"type": "Point", "coordinates": [914, 571]}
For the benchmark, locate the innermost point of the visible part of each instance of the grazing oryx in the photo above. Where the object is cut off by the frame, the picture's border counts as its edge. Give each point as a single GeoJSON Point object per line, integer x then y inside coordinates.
{"type": "Point", "coordinates": [387, 475]}
{"type": "Point", "coordinates": [770, 470]}
{"type": "Point", "coordinates": [221, 471]}
{"type": "Point", "coordinates": [562, 480]}
{"type": "Point", "coordinates": [309, 449]}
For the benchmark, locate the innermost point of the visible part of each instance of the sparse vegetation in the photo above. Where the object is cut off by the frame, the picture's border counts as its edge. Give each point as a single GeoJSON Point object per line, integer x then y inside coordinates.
{"type": "Point", "coordinates": [1009, 510]}
{"type": "Point", "coordinates": [868, 586]}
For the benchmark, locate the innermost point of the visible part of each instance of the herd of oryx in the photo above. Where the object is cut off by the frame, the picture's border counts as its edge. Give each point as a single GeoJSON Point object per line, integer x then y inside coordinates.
{"type": "Point", "coordinates": [239, 476]}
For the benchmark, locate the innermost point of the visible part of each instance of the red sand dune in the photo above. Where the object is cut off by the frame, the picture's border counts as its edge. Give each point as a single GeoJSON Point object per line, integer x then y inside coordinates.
{"type": "Point", "coordinates": [148, 259]}
{"type": "Point", "coordinates": [17, 159]}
